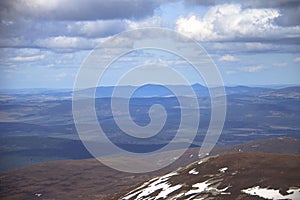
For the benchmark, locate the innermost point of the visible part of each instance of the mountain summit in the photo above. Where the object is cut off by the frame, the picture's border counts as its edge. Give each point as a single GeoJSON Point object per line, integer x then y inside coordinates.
{"type": "Point", "coordinates": [228, 176]}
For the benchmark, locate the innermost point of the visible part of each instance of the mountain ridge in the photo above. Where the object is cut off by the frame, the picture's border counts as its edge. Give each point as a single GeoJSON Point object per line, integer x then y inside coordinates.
{"type": "Point", "coordinates": [227, 176]}
{"type": "Point", "coordinates": [89, 179]}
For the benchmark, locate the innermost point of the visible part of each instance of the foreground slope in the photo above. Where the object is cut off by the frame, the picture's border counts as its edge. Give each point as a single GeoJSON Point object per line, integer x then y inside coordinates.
{"type": "Point", "coordinates": [70, 179]}
{"type": "Point", "coordinates": [89, 179]}
{"type": "Point", "coordinates": [228, 176]}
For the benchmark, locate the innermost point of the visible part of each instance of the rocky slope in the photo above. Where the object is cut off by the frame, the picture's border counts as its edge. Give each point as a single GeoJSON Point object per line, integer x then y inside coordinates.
{"type": "Point", "coordinates": [228, 176]}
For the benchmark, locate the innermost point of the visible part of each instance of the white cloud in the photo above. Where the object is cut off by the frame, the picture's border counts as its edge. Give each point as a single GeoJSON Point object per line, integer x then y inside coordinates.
{"type": "Point", "coordinates": [60, 42]}
{"type": "Point", "coordinates": [98, 28]}
{"type": "Point", "coordinates": [297, 59]}
{"type": "Point", "coordinates": [248, 47]}
{"type": "Point", "coordinates": [27, 58]}
{"type": "Point", "coordinates": [232, 22]}
{"type": "Point", "coordinates": [103, 28]}
{"type": "Point", "coordinates": [197, 28]}
{"type": "Point", "coordinates": [65, 43]}
{"type": "Point", "coordinates": [73, 36]}
{"type": "Point", "coordinates": [154, 21]}
{"type": "Point", "coordinates": [253, 68]}
{"type": "Point", "coordinates": [228, 58]}
{"type": "Point", "coordinates": [258, 46]}
{"type": "Point", "coordinates": [250, 69]}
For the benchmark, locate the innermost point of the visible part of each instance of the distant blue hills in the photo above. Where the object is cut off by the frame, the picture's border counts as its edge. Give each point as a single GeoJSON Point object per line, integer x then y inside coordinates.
{"type": "Point", "coordinates": [149, 90]}
{"type": "Point", "coordinates": [152, 90]}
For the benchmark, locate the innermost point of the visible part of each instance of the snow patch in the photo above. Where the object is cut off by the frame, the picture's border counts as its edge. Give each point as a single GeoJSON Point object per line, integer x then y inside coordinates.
{"type": "Point", "coordinates": [38, 194]}
{"type": "Point", "coordinates": [200, 162]}
{"type": "Point", "coordinates": [152, 186]}
{"type": "Point", "coordinates": [223, 170]}
{"type": "Point", "coordinates": [201, 187]}
{"type": "Point", "coordinates": [166, 191]}
{"type": "Point", "coordinates": [294, 194]}
{"type": "Point", "coordinates": [193, 171]}
{"type": "Point", "coordinates": [163, 189]}
{"type": "Point", "coordinates": [204, 187]}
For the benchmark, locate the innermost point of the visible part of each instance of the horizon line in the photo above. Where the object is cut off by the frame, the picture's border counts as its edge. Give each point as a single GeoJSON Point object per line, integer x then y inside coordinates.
{"type": "Point", "coordinates": [229, 85]}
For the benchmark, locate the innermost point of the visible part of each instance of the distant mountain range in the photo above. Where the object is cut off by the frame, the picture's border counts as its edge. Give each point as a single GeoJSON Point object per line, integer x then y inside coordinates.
{"type": "Point", "coordinates": [151, 90]}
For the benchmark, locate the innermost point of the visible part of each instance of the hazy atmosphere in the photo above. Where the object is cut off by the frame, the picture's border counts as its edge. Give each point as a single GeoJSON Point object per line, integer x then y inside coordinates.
{"type": "Point", "coordinates": [149, 99]}
{"type": "Point", "coordinates": [43, 43]}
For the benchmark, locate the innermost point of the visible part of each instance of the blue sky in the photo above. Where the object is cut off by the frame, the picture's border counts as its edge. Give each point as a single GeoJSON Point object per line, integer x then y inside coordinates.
{"type": "Point", "coordinates": [43, 43]}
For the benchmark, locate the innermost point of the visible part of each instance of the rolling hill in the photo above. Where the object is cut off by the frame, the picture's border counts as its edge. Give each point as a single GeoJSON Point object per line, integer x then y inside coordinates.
{"type": "Point", "coordinates": [89, 179]}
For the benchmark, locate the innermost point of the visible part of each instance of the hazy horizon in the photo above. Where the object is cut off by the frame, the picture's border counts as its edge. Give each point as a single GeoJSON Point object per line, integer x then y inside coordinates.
{"type": "Point", "coordinates": [271, 86]}
{"type": "Point", "coordinates": [43, 44]}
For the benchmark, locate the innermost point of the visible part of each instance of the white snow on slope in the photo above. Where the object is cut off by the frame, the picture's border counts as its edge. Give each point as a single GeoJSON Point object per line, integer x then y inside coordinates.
{"type": "Point", "coordinates": [152, 186]}
{"type": "Point", "coordinates": [223, 170]}
{"type": "Point", "coordinates": [193, 171]}
{"type": "Point", "coordinates": [201, 187]}
{"type": "Point", "coordinates": [166, 191]}
{"type": "Point", "coordinates": [205, 187]}
{"type": "Point", "coordinates": [294, 194]}
{"type": "Point", "coordinates": [38, 194]}
{"type": "Point", "coordinates": [162, 188]}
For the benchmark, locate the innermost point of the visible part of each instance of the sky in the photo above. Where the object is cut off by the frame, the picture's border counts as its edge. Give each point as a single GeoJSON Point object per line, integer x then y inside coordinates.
{"type": "Point", "coordinates": [252, 42]}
